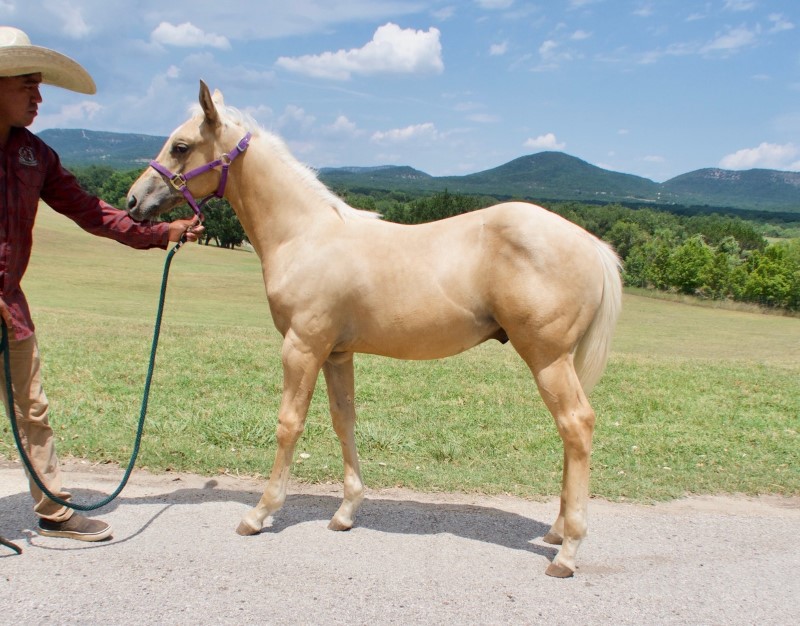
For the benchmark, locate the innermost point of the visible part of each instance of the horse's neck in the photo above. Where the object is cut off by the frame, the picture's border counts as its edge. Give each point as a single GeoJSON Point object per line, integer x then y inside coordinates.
{"type": "Point", "coordinates": [272, 201]}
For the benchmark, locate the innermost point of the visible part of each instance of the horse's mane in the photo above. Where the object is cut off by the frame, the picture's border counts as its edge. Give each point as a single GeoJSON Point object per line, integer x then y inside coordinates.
{"type": "Point", "coordinates": [306, 174]}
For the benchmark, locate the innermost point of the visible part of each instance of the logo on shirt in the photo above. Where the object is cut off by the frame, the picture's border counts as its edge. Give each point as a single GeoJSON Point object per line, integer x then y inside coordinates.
{"type": "Point", "coordinates": [27, 157]}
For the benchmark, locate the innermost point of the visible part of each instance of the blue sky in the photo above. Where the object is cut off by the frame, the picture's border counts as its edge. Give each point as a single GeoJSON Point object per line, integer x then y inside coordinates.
{"type": "Point", "coordinates": [655, 88]}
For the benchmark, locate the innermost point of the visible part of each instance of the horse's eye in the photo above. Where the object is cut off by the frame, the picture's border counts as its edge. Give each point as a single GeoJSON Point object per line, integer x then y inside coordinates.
{"type": "Point", "coordinates": [180, 148]}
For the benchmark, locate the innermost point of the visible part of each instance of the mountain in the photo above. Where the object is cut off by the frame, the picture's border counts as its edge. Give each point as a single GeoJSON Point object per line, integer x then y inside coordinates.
{"type": "Point", "coordinates": [546, 176]}
{"type": "Point", "coordinates": [555, 175]}
{"type": "Point", "coordinates": [394, 177]}
{"type": "Point", "coordinates": [89, 147]}
{"type": "Point", "coordinates": [762, 190]}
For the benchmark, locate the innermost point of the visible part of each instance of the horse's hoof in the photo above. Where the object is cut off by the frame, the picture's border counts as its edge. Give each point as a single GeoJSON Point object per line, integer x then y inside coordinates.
{"type": "Point", "coordinates": [246, 529]}
{"type": "Point", "coordinates": [557, 570]}
{"type": "Point", "coordinates": [336, 524]}
{"type": "Point", "coordinates": [553, 539]}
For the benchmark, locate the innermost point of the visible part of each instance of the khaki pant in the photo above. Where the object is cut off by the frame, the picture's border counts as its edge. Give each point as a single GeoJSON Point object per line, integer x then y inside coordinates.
{"type": "Point", "coordinates": [32, 409]}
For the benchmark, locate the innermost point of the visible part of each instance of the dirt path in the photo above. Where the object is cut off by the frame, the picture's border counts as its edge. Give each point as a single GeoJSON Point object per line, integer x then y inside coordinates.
{"type": "Point", "coordinates": [412, 558]}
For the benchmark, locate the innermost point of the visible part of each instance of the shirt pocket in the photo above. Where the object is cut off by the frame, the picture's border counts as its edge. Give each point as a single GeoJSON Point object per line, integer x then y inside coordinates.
{"type": "Point", "coordinates": [31, 178]}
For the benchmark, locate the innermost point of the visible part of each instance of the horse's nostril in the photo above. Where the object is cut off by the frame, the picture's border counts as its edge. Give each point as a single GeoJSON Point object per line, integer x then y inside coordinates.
{"type": "Point", "coordinates": [131, 201]}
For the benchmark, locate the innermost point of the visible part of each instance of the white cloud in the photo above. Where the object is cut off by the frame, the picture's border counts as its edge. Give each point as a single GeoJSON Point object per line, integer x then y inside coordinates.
{"type": "Point", "coordinates": [551, 55]}
{"type": "Point", "coordinates": [779, 24]}
{"type": "Point", "coordinates": [426, 131]}
{"type": "Point", "coordinates": [548, 48]}
{"type": "Point", "coordinates": [739, 5]}
{"type": "Point", "coordinates": [494, 4]}
{"type": "Point", "coordinates": [342, 127]}
{"type": "Point", "coordinates": [392, 51]}
{"type": "Point", "coordinates": [187, 35]}
{"type": "Point", "coordinates": [765, 155]}
{"type": "Point", "coordinates": [498, 49]}
{"type": "Point", "coordinates": [205, 65]}
{"type": "Point", "coordinates": [445, 13]}
{"type": "Point", "coordinates": [259, 112]}
{"type": "Point", "coordinates": [468, 106]}
{"type": "Point", "coordinates": [69, 115]}
{"type": "Point", "coordinates": [547, 141]}
{"type": "Point", "coordinates": [731, 41]}
{"type": "Point", "coordinates": [72, 23]}
{"type": "Point", "coordinates": [483, 118]}
{"type": "Point", "coordinates": [580, 35]}
{"type": "Point", "coordinates": [295, 117]}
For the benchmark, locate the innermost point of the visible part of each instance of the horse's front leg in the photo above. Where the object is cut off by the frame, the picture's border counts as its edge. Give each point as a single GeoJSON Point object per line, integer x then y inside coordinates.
{"type": "Point", "coordinates": [300, 370]}
{"type": "Point", "coordinates": [341, 394]}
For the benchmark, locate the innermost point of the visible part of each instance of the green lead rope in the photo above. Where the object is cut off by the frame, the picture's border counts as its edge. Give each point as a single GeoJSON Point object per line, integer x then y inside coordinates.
{"type": "Point", "coordinates": [145, 396]}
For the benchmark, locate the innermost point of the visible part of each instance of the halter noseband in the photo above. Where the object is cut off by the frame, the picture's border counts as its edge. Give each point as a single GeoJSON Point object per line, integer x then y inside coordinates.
{"type": "Point", "coordinates": [179, 181]}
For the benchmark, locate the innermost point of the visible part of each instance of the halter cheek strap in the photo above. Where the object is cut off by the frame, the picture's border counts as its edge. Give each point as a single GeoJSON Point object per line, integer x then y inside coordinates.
{"type": "Point", "coordinates": [180, 181]}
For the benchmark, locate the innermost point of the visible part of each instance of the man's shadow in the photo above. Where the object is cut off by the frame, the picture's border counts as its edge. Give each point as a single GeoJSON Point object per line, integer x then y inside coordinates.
{"type": "Point", "coordinates": [409, 517]}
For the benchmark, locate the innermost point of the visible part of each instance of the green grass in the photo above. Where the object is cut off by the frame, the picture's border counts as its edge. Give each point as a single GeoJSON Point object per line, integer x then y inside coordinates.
{"type": "Point", "coordinates": [694, 400]}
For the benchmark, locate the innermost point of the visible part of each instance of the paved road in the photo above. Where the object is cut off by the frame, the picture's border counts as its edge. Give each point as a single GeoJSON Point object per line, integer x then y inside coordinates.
{"type": "Point", "coordinates": [412, 559]}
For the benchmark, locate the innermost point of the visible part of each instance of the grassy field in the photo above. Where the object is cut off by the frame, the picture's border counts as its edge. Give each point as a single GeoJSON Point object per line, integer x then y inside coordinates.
{"type": "Point", "coordinates": [694, 400]}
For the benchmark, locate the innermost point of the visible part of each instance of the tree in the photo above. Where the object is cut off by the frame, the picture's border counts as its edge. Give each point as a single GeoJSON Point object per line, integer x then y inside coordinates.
{"type": "Point", "coordinates": [115, 188]}
{"type": "Point", "coordinates": [624, 236]}
{"type": "Point", "coordinates": [93, 177]}
{"type": "Point", "coordinates": [774, 277]}
{"type": "Point", "coordinates": [689, 265]}
{"type": "Point", "coordinates": [222, 225]}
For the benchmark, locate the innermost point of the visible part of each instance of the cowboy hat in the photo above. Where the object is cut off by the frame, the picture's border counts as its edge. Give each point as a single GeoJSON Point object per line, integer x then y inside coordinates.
{"type": "Point", "coordinates": [18, 58]}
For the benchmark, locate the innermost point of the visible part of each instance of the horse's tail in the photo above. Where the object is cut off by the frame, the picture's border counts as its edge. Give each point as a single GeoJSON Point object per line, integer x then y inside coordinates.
{"type": "Point", "coordinates": [592, 351]}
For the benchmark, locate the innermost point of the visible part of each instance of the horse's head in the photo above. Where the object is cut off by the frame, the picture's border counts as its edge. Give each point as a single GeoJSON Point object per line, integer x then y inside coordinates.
{"type": "Point", "coordinates": [197, 142]}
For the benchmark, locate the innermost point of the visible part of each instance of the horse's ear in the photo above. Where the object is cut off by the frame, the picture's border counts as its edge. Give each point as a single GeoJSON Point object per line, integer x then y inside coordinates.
{"type": "Point", "coordinates": [207, 103]}
{"type": "Point", "coordinates": [218, 99]}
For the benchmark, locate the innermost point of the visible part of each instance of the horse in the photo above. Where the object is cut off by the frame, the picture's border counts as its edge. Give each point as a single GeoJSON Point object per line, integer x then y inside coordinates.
{"type": "Point", "coordinates": [341, 281]}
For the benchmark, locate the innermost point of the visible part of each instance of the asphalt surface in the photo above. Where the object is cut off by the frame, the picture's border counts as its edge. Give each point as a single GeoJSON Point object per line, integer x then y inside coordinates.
{"type": "Point", "coordinates": [411, 559]}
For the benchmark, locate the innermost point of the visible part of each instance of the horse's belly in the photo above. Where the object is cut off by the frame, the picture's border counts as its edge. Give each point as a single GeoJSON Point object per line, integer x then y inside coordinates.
{"type": "Point", "coordinates": [406, 340]}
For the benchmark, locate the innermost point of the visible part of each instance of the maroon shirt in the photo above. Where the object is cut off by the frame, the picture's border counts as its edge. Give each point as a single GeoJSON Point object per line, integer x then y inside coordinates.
{"type": "Point", "coordinates": [30, 170]}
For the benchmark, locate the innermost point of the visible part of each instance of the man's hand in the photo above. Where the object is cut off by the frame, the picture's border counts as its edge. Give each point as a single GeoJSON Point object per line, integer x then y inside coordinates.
{"type": "Point", "coordinates": [5, 313]}
{"type": "Point", "coordinates": [191, 228]}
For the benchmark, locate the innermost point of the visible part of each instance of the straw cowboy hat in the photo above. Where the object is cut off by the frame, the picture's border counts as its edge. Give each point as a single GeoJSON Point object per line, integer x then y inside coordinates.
{"type": "Point", "coordinates": [18, 57]}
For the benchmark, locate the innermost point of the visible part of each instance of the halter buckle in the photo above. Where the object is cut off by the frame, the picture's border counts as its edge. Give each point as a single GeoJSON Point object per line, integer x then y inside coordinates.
{"type": "Point", "coordinates": [178, 181]}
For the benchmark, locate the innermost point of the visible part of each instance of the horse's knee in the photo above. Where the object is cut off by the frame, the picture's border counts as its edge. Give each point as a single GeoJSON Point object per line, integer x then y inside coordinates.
{"type": "Point", "coordinates": [288, 432]}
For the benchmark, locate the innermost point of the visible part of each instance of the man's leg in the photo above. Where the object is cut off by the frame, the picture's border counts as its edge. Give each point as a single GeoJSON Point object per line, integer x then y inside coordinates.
{"type": "Point", "coordinates": [32, 411]}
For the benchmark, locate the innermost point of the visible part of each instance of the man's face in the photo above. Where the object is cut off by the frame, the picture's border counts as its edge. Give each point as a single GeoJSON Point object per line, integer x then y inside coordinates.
{"type": "Point", "coordinates": [19, 100]}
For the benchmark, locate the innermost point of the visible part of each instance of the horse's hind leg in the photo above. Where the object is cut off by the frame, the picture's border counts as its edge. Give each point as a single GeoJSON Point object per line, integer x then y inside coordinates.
{"type": "Point", "coordinates": [300, 370]}
{"type": "Point", "coordinates": [562, 393]}
{"type": "Point", "coordinates": [341, 392]}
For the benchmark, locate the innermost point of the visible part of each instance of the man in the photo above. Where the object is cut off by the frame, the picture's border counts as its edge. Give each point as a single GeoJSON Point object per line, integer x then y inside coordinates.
{"type": "Point", "coordinates": [29, 171]}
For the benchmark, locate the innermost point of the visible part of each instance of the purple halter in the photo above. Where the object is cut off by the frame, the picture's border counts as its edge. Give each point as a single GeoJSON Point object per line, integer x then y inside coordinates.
{"type": "Point", "coordinates": [179, 181]}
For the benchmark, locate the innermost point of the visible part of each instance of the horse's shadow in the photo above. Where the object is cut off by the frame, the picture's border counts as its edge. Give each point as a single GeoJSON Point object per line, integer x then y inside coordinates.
{"type": "Point", "coordinates": [410, 517]}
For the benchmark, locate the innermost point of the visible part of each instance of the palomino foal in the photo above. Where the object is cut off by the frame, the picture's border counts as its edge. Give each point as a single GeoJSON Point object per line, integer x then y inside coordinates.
{"type": "Point", "coordinates": [339, 282]}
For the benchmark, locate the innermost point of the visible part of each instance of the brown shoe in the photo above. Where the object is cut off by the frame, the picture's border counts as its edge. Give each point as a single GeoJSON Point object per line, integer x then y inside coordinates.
{"type": "Point", "coordinates": [76, 527]}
